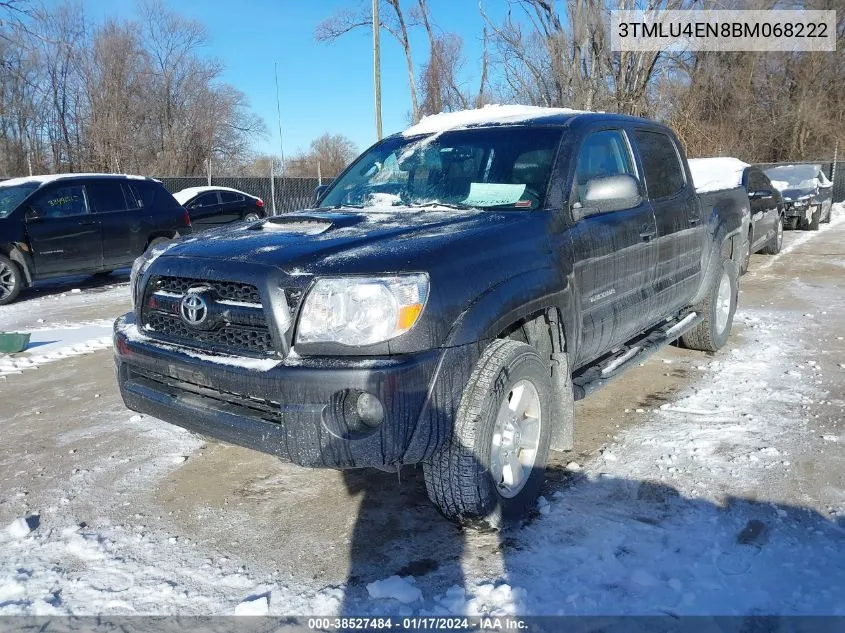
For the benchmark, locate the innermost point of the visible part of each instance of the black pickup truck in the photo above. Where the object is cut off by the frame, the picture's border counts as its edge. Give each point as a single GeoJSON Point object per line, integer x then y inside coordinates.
{"type": "Point", "coordinates": [456, 289]}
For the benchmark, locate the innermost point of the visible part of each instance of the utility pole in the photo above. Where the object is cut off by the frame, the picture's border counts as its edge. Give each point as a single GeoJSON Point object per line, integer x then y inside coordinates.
{"type": "Point", "coordinates": [377, 66]}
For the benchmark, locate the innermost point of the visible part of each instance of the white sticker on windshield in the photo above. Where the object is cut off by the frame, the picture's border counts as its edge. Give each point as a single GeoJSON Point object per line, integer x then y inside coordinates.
{"type": "Point", "coordinates": [486, 194]}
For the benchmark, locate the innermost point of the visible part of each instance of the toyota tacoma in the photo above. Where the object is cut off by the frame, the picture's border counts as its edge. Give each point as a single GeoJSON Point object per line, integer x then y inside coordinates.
{"type": "Point", "coordinates": [452, 294]}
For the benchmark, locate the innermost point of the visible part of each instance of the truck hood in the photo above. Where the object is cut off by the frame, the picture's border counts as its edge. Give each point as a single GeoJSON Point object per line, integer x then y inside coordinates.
{"type": "Point", "coordinates": [312, 236]}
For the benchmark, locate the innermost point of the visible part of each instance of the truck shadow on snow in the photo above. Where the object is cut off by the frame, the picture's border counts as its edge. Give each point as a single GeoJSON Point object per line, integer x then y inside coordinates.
{"type": "Point", "coordinates": [596, 545]}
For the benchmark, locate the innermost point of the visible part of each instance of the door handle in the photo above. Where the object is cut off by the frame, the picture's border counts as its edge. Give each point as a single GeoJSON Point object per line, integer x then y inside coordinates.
{"type": "Point", "coordinates": [648, 234]}
{"type": "Point", "coordinates": [694, 221]}
{"type": "Point", "coordinates": [88, 223]}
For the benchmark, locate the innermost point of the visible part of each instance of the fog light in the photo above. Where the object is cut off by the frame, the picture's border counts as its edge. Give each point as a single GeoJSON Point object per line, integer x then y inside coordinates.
{"type": "Point", "coordinates": [369, 409]}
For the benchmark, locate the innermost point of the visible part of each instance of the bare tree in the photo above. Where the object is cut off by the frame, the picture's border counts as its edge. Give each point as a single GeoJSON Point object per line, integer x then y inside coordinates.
{"type": "Point", "coordinates": [329, 154]}
{"type": "Point", "coordinates": [393, 21]}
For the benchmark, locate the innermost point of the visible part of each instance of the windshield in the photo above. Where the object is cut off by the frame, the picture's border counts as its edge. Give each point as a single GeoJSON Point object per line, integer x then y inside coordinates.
{"type": "Point", "coordinates": [479, 168]}
{"type": "Point", "coordinates": [11, 197]}
{"type": "Point", "coordinates": [787, 177]}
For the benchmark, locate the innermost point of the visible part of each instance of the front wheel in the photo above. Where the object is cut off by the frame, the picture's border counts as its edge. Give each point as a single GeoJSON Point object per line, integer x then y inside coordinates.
{"type": "Point", "coordinates": [492, 468]}
{"type": "Point", "coordinates": [774, 245]}
{"type": "Point", "coordinates": [718, 308]}
{"type": "Point", "coordinates": [10, 280]}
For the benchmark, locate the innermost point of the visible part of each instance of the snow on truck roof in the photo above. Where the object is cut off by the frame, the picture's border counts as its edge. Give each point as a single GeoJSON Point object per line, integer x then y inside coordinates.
{"type": "Point", "coordinates": [186, 194]}
{"type": "Point", "coordinates": [717, 173]}
{"type": "Point", "coordinates": [45, 178]}
{"type": "Point", "coordinates": [492, 114]}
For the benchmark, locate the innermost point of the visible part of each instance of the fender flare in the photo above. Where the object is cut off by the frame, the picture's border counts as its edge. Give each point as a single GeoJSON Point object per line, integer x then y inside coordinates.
{"type": "Point", "coordinates": [508, 302]}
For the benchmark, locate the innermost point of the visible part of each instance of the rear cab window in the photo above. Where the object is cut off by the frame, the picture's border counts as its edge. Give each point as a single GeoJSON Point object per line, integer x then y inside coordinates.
{"type": "Point", "coordinates": [663, 172]}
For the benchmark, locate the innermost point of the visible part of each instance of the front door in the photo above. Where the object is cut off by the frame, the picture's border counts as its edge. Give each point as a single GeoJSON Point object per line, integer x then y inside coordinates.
{"type": "Point", "coordinates": [614, 252]}
{"type": "Point", "coordinates": [63, 234]}
{"type": "Point", "coordinates": [205, 209]}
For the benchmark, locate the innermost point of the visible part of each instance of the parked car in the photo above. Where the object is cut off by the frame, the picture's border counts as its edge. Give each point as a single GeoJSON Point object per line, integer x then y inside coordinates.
{"type": "Point", "coordinates": [807, 194]}
{"type": "Point", "coordinates": [213, 206]}
{"type": "Point", "coordinates": [765, 222]}
{"type": "Point", "coordinates": [459, 287]}
{"type": "Point", "coordinates": [80, 223]}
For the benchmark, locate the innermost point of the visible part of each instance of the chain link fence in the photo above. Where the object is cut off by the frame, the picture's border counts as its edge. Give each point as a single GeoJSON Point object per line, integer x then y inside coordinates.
{"type": "Point", "coordinates": [290, 194]}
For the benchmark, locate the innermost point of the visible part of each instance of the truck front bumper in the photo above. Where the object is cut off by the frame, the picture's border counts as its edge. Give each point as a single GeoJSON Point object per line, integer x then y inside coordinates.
{"type": "Point", "coordinates": [298, 408]}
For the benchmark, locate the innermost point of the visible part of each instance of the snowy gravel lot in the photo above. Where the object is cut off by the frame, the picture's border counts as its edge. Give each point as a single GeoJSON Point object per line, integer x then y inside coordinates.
{"type": "Point", "coordinates": [699, 485]}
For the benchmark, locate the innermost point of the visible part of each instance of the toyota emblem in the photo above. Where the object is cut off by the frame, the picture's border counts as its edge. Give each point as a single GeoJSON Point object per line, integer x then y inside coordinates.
{"type": "Point", "coordinates": [194, 309]}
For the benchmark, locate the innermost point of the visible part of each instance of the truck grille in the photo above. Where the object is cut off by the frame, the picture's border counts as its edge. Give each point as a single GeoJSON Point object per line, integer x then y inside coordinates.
{"type": "Point", "coordinates": [232, 316]}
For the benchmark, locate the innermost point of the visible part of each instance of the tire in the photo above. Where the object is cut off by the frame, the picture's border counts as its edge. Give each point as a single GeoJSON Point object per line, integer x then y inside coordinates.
{"type": "Point", "coordinates": [718, 308]}
{"type": "Point", "coordinates": [11, 280]}
{"type": "Point", "coordinates": [774, 245]}
{"type": "Point", "coordinates": [460, 478]}
{"type": "Point", "coordinates": [792, 224]}
{"type": "Point", "coordinates": [826, 218]}
{"type": "Point", "coordinates": [813, 224]}
{"type": "Point", "coordinates": [252, 217]}
{"type": "Point", "coordinates": [156, 242]}
{"type": "Point", "coordinates": [746, 256]}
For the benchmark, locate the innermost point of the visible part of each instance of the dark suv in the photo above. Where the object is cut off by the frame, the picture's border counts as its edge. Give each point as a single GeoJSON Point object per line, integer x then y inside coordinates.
{"type": "Point", "coordinates": [80, 223]}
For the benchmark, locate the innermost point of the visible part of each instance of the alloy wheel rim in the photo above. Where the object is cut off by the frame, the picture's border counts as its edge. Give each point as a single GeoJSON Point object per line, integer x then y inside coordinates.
{"type": "Point", "coordinates": [7, 280]}
{"type": "Point", "coordinates": [723, 302]}
{"type": "Point", "coordinates": [251, 217]}
{"type": "Point", "coordinates": [516, 438]}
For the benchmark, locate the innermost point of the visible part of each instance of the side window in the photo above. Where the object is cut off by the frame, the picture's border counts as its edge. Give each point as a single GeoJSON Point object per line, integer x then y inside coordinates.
{"type": "Point", "coordinates": [602, 154]}
{"type": "Point", "coordinates": [230, 196]}
{"type": "Point", "coordinates": [107, 196]}
{"type": "Point", "coordinates": [757, 181]}
{"type": "Point", "coordinates": [664, 175]}
{"type": "Point", "coordinates": [61, 202]}
{"type": "Point", "coordinates": [205, 200]}
{"type": "Point", "coordinates": [133, 197]}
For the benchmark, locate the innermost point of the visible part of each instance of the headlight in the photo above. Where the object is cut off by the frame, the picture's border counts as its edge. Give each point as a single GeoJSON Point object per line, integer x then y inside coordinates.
{"type": "Point", "coordinates": [140, 266]}
{"type": "Point", "coordinates": [362, 310]}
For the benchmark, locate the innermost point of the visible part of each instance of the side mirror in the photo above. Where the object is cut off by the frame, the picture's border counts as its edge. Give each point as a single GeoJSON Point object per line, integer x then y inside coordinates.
{"type": "Point", "coordinates": [611, 193]}
{"type": "Point", "coordinates": [319, 192]}
{"type": "Point", "coordinates": [32, 214]}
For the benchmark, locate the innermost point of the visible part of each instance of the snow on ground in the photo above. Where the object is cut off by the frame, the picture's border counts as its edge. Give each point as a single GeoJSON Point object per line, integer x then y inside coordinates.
{"type": "Point", "coordinates": [682, 513]}
{"type": "Point", "coordinates": [837, 216]}
{"type": "Point", "coordinates": [51, 344]}
{"type": "Point", "coordinates": [717, 173]}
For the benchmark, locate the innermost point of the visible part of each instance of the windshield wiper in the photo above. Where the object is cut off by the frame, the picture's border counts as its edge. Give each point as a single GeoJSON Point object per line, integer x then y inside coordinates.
{"type": "Point", "coordinates": [448, 205]}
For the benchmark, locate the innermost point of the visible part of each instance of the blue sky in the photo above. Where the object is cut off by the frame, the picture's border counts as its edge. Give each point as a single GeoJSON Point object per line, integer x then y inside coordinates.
{"type": "Point", "coordinates": [323, 87]}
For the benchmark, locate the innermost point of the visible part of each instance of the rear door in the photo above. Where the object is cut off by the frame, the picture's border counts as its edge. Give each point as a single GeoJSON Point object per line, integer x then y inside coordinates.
{"type": "Point", "coordinates": [614, 251]}
{"type": "Point", "coordinates": [679, 223]}
{"type": "Point", "coordinates": [205, 209]}
{"type": "Point", "coordinates": [63, 234]}
{"type": "Point", "coordinates": [118, 226]}
{"type": "Point", "coordinates": [764, 207]}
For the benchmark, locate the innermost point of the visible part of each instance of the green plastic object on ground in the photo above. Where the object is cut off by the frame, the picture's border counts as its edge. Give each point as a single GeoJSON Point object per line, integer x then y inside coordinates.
{"type": "Point", "coordinates": [13, 342]}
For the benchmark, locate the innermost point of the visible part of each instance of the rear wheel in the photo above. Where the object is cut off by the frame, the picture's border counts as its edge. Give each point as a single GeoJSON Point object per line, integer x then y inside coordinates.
{"type": "Point", "coordinates": [718, 308]}
{"type": "Point", "coordinates": [492, 468]}
{"type": "Point", "coordinates": [774, 245]}
{"type": "Point", "coordinates": [10, 280]}
{"type": "Point", "coordinates": [252, 217]}
{"type": "Point", "coordinates": [158, 241]}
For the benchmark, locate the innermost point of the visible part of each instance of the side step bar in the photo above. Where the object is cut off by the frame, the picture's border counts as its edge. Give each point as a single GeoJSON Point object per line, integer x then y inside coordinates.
{"type": "Point", "coordinates": [637, 351]}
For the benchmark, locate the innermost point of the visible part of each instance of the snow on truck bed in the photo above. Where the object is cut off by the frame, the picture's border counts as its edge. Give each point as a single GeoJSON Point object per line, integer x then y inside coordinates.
{"type": "Point", "coordinates": [716, 174]}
